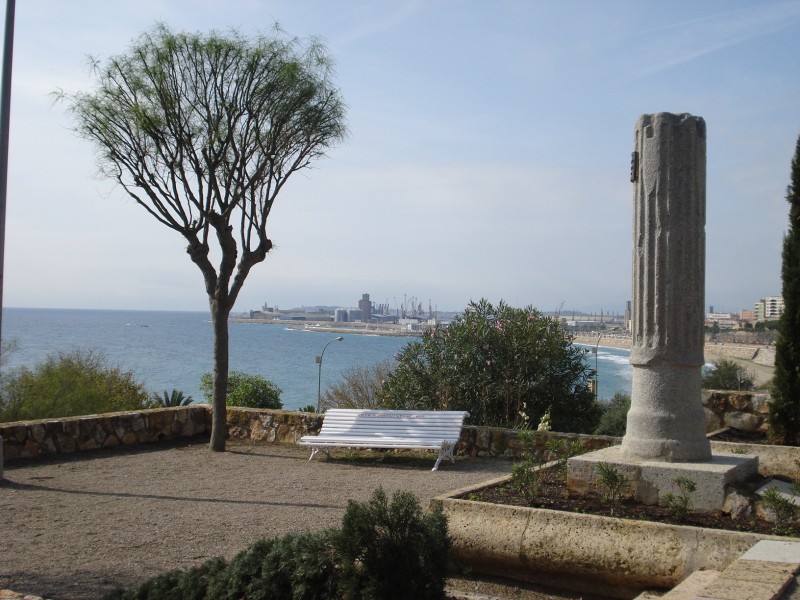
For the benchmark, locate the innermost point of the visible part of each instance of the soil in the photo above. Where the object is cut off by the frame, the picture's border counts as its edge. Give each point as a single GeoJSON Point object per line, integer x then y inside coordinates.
{"type": "Point", "coordinates": [553, 494]}
{"type": "Point", "coordinates": [78, 526]}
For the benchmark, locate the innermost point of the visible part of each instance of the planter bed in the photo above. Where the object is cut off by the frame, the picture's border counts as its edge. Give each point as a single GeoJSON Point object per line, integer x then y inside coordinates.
{"type": "Point", "coordinates": [583, 552]}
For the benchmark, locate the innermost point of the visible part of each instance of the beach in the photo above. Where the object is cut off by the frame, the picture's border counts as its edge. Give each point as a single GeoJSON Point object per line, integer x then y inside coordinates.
{"type": "Point", "coordinates": [757, 360]}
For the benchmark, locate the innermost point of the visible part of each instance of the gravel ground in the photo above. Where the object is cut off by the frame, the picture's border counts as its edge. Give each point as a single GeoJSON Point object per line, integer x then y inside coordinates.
{"type": "Point", "coordinates": [79, 526]}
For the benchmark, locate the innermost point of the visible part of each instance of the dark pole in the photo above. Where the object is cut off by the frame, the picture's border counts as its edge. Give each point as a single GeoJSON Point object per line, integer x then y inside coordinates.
{"type": "Point", "coordinates": [319, 362]}
{"type": "Point", "coordinates": [5, 118]}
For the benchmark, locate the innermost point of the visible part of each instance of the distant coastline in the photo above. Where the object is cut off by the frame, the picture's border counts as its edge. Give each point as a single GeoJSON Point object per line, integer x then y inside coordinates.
{"type": "Point", "coordinates": [758, 360]}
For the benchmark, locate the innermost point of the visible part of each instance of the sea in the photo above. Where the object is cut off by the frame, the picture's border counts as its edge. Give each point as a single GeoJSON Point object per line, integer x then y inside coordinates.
{"type": "Point", "coordinates": [172, 350]}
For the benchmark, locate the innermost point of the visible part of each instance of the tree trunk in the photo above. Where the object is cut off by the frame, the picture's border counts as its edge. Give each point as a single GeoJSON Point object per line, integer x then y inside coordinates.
{"type": "Point", "coordinates": [219, 422]}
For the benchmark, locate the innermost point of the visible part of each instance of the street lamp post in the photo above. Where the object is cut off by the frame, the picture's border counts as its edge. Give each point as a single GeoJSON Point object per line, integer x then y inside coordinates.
{"type": "Point", "coordinates": [319, 362]}
{"type": "Point", "coordinates": [596, 372]}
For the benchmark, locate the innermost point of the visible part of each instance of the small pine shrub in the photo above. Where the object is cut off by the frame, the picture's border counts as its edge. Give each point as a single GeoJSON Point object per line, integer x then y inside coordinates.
{"type": "Point", "coordinates": [393, 551]}
{"type": "Point", "coordinates": [383, 552]}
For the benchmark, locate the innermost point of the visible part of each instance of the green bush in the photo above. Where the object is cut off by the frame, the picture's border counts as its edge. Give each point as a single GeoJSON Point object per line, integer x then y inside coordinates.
{"type": "Point", "coordinates": [614, 420]}
{"type": "Point", "coordinates": [393, 551]}
{"type": "Point", "coordinates": [69, 384]}
{"type": "Point", "coordinates": [190, 584]}
{"type": "Point", "coordinates": [727, 375]}
{"type": "Point", "coordinates": [504, 365]}
{"type": "Point", "coordinates": [383, 552]}
{"type": "Point", "coordinates": [251, 391]}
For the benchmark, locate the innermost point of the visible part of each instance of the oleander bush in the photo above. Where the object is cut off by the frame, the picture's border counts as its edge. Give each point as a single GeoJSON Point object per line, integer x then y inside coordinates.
{"type": "Point", "coordinates": [69, 384]}
{"type": "Point", "coordinates": [384, 551]}
{"type": "Point", "coordinates": [506, 366]}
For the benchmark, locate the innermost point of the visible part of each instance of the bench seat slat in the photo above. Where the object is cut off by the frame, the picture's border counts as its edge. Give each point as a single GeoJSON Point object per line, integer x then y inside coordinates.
{"type": "Point", "coordinates": [363, 428]}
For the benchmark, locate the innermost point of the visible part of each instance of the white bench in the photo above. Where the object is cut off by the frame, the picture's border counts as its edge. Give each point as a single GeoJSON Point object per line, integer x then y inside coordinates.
{"type": "Point", "coordinates": [412, 429]}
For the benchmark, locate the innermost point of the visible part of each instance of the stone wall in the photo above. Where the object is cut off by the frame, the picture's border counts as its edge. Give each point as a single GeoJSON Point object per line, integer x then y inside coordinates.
{"type": "Point", "coordinates": [744, 410]}
{"type": "Point", "coordinates": [31, 439]}
{"type": "Point", "coordinates": [49, 437]}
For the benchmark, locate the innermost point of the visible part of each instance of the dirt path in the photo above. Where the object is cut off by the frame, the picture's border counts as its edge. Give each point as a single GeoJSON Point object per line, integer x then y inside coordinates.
{"type": "Point", "coordinates": [80, 526]}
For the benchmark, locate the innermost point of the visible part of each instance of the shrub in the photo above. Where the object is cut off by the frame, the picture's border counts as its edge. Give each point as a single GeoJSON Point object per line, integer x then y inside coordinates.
{"type": "Point", "coordinates": [678, 504]}
{"type": "Point", "coordinates": [526, 476]}
{"type": "Point", "coordinates": [69, 384]}
{"type": "Point", "coordinates": [298, 566]}
{"type": "Point", "coordinates": [251, 391]}
{"type": "Point", "coordinates": [614, 420]}
{"type": "Point", "coordinates": [383, 552]}
{"type": "Point", "coordinates": [727, 375]}
{"type": "Point", "coordinates": [496, 362]}
{"type": "Point", "coordinates": [360, 387]}
{"type": "Point", "coordinates": [613, 481]}
{"type": "Point", "coordinates": [393, 551]}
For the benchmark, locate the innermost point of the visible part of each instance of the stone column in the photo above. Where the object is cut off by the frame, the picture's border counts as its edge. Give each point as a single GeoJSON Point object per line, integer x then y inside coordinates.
{"type": "Point", "coordinates": [666, 420]}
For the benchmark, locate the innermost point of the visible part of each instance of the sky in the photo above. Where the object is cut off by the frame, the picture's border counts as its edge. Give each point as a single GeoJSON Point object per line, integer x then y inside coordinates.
{"type": "Point", "coordinates": [487, 155]}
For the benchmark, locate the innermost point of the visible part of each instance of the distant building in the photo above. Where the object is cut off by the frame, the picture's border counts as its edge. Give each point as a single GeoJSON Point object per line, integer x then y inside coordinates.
{"type": "Point", "coordinates": [769, 308]}
{"type": "Point", "coordinates": [747, 315]}
{"type": "Point", "coordinates": [365, 306]}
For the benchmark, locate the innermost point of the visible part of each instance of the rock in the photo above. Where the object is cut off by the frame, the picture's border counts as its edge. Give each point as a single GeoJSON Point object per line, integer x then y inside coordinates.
{"type": "Point", "coordinates": [738, 505]}
{"type": "Point", "coordinates": [743, 421]}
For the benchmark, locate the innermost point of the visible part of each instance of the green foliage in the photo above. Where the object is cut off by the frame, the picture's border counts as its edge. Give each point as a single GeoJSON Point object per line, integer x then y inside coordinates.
{"type": "Point", "coordinates": [678, 504]}
{"type": "Point", "coordinates": [526, 475]}
{"type": "Point", "coordinates": [496, 362]}
{"type": "Point", "coordinates": [251, 391]}
{"type": "Point", "coordinates": [309, 408]}
{"type": "Point", "coordinates": [562, 449]}
{"type": "Point", "coordinates": [203, 131]}
{"type": "Point", "coordinates": [784, 410]}
{"type": "Point", "coordinates": [68, 384]}
{"type": "Point", "coordinates": [614, 420]}
{"type": "Point", "coordinates": [359, 388]}
{"type": "Point", "coordinates": [170, 399]}
{"type": "Point", "coordinates": [727, 375]}
{"type": "Point", "coordinates": [613, 481]}
{"type": "Point", "coordinates": [783, 510]}
{"type": "Point", "coordinates": [190, 584]}
{"type": "Point", "coordinates": [383, 552]}
{"type": "Point", "coordinates": [393, 551]}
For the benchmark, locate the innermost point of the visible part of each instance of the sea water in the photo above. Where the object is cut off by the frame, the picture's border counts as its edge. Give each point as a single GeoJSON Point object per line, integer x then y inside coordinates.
{"type": "Point", "coordinates": [172, 350]}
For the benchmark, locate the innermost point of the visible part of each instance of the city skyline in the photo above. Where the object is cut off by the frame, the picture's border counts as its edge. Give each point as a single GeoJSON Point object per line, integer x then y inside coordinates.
{"type": "Point", "coordinates": [488, 153]}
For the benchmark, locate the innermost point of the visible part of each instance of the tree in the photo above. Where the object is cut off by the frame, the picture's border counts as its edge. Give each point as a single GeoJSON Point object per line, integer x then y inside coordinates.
{"type": "Point", "coordinates": [360, 387]}
{"type": "Point", "coordinates": [67, 385]}
{"type": "Point", "coordinates": [784, 409]}
{"type": "Point", "coordinates": [251, 391]}
{"type": "Point", "coordinates": [727, 375]}
{"type": "Point", "coordinates": [506, 366]}
{"type": "Point", "coordinates": [203, 131]}
{"type": "Point", "coordinates": [614, 420]}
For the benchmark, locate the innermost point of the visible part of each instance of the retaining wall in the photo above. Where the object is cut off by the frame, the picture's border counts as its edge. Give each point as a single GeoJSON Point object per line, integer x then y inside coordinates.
{"type": "Point", "coordinates": [49, 437]}
{"type": "Point", "coordinates": [744, 410]}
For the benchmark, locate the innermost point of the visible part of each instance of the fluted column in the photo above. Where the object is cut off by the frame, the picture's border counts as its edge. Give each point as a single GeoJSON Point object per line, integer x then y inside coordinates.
{"type": "Point", "coordinates": [666, 420]}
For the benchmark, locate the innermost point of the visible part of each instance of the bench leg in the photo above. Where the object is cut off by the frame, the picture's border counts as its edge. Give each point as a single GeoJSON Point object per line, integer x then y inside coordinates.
{"type": "Point", "coordinates": [315, 451]}
{"type": "Point", "coordinates": [445, 451]}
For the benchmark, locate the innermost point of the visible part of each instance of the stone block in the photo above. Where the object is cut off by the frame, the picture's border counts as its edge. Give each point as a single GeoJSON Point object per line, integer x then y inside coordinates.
{"type": "Point", "coordinates": [743, 421]}
{"type": "Point", "coordinates": [650, 480]}
{"type": "Point", "coordinates": [713, 421]}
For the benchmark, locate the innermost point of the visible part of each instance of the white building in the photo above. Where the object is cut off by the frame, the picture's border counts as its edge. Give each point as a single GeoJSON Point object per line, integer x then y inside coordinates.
{"type": "Point", "coordinates": [769, 308]}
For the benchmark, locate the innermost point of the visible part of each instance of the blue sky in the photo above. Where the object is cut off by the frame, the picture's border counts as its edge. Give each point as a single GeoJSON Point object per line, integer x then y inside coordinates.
{"type": "Point", "coordinates": [488, 153]}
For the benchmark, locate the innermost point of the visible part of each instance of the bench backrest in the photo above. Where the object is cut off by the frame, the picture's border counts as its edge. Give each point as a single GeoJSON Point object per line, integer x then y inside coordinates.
{"type": "Point", "coordinates": [440, 425]}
